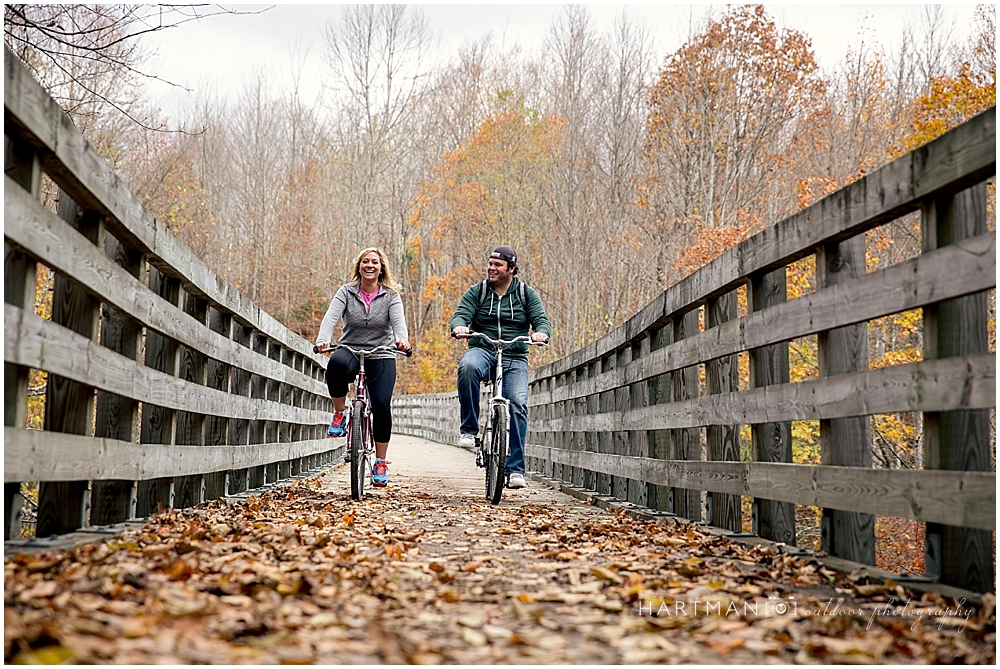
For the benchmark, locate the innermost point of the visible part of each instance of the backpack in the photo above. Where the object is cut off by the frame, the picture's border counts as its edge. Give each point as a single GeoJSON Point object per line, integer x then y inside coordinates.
{"type": "Point", "coordinates": [483, 288]}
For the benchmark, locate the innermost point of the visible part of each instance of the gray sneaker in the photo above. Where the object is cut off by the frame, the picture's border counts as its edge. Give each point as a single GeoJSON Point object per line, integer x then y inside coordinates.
{"type": "Point", "coordinates": [516, 481]}
{"type": "Point", "coordinates": [467, 440]}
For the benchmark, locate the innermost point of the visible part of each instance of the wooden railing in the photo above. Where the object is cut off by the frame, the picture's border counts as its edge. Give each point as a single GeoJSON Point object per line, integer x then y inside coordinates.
{"type": "Point", "coordinates": [164, 385]}
{"type": "Point", "coordinates": [626, 415]}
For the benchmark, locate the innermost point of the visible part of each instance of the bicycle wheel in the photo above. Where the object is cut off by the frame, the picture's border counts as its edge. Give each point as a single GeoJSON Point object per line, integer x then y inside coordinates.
{"type": "Point", "coordinates": [496, 458]}
{"type": "Point", "coordinates": [357, 446]}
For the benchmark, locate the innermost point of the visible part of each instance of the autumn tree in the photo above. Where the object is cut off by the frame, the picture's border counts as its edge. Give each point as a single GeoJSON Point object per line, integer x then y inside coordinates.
{"type": "Point", "coordinates": [722, 115]}
{"type": "Point", "coordinates": [488, 191]}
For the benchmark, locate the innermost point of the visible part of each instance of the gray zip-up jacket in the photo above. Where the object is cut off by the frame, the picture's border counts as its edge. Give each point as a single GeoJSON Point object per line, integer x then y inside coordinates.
{"type": "Point", "coordinates": [384, 325]}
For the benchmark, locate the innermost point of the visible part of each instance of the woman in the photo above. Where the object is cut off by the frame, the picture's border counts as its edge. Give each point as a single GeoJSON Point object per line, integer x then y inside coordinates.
{"type": "Point", "coordinates": [373, 316]}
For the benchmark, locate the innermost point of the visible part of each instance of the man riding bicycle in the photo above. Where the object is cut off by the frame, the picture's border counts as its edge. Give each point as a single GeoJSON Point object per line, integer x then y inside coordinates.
{"type": "Point", "coordinates": [503, 308]}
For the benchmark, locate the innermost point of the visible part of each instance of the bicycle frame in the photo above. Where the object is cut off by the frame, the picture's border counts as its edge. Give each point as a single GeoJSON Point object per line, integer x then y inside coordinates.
{"type": "Point", "coordinates": [360, 468]}
{"type": "Point", "coordinates": [487, 451]}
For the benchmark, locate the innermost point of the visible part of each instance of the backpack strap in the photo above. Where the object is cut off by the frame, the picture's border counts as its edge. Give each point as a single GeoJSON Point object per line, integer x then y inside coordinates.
{"type": "Point", "coordinates": [482, 293]}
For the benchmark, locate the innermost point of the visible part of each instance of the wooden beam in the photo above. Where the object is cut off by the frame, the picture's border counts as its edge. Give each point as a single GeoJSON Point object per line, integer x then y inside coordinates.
{"type": "Point", "coordinates": [35, 342]}
{"type": "Point", "coordinates": [37, 455]}
{"type": "Point", "coordinates": [943, 385]}
{"type": "Point", "coordinates": [959, 498]}
{"type": "Point", "coordinates": [963, 268]}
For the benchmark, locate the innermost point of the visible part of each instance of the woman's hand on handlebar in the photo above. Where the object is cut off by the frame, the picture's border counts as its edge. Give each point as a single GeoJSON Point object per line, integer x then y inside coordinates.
{"type": "Point", "coordinates": [539, 338]}
{"type": "Point", "coordinates": [404, 346]}
{"type": "Point", "coordinates": [322, 347]}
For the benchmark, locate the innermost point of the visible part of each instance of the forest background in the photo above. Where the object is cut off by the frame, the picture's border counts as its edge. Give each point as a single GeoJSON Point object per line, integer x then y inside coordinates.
{"type": "Point", "coordinates": [613, 172]}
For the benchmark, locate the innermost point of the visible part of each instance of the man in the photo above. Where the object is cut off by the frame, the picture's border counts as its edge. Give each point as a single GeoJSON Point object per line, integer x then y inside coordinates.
{"type": "Point", "coordinates": [505, 310]}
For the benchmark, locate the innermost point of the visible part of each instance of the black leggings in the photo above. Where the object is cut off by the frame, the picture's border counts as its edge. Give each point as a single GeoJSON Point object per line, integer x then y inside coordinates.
{"type": "Point", "coordinates": [380, 377]}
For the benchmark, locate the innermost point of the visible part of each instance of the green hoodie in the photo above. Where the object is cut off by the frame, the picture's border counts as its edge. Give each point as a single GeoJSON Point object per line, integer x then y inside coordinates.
{"type": "Point", "coordinates": [515, 319]}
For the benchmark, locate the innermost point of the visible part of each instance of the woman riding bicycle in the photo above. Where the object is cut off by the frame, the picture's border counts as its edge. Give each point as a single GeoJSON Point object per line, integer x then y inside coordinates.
{"type": "Point", "coordinates": [373, 316]}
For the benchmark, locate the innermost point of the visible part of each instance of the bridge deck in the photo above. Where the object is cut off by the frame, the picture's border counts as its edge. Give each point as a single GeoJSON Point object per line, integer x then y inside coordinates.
{"type": "Point", "coordinates": [426, 571]}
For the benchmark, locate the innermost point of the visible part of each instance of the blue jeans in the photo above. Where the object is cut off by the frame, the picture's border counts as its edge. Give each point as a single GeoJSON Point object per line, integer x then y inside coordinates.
{"type": "Point", "coordinates": [476, 366]}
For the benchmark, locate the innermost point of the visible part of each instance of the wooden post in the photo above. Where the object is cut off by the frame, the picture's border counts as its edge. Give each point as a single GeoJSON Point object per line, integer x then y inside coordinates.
{"type": "Point", "coordinates": [638, 398]}
{"type": "Point", "coordinates": [957, 440]}
{"type": "Point", "coordinates": [63, 506]}
{"type": "Point", "coordinates": [686, 442]}
{"type": "Point", "coordinates": [722, 375]}
{"type": "Point", "coordinates": [845, 441]}
{"type": "Point", "coordinates": [158, 423]}
{"type": "Point", "coordinates": [592, 440]}
{"type": "Point", "coordinates": [191, 367]}
{"type": "Point", "coordinates": [217, 427]}
{"type": "Point", "coordinates": [772, 442]}
{"type": "Point", "coordinates": [606, 440]}
{"type": "Point", "coordinates": [258, 389]}
{"type": "Point", "coordinates": [579, 443]}
{"type": "Point", "coordinates": [239, 429]}
{"type": "Point", "coordinates": [619, 484]}
{"type": "Point", "coordinates": [117, 416]}
{"type": "Point", "coordinates": [21, 164]}
{"type": "Point", "coordinates": [660, 497]}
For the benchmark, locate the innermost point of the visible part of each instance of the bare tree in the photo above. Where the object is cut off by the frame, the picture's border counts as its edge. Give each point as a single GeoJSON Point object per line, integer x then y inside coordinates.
{"type": "Point", "coordinates": [377, 56]}
{"type": "Point", "coordinates": [91, 57]}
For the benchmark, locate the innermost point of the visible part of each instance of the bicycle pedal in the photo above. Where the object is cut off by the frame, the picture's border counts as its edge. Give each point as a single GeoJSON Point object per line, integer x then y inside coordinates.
{"type": "Point", "coordinates": [479, 459]}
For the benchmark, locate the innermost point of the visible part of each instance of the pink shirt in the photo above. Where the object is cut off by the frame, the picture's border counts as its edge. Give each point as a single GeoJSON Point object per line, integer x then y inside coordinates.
{"type": "Point", "coordinates": [368, 297]}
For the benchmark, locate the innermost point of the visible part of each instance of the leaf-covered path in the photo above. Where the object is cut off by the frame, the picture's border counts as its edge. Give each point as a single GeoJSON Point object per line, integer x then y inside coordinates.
{"type": "Point", "coordinates": [427, 572]}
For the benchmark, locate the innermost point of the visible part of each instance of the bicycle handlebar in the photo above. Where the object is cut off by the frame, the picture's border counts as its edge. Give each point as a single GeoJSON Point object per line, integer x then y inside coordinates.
{"type": "Point", "coordinates": [359, 351]}
{"type": "Point", "coordinates": [523, 339]}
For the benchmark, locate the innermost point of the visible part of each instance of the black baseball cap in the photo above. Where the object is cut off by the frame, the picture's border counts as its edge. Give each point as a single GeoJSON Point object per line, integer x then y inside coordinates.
{"type": "Point", "coordinates": [505, 253]}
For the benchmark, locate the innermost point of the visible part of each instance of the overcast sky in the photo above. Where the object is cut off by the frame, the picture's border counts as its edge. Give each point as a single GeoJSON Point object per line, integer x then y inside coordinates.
{"type": "Point", "coordinates": [226, 49]}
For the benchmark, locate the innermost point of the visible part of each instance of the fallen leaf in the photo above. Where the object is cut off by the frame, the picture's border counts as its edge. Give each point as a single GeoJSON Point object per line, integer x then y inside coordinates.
{"type": "Point", "coordinates": [607, 575]}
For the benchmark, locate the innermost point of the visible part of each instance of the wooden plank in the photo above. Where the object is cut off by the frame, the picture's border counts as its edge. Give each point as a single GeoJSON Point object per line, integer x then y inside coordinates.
{"type": "Point", "coordinates": [34, 342]}
{"type": "Point", "coordinates": [117, 416]}
{"type": "Point", "coordinates": [722, 376]}
{"type": "Point", "coordinates": [964, 268]}
{"type": "Point", "coordinates": [932, 385]}
{"type": "Point", "coordinates": [43, 235]}
{"type": "Point", "coordinates": [69, 403]}
{"type": "Point", "coordinates": [772, 440]}
{"type": "Point", "coordinates": [958, 440]}
{"type": "Point", "coordinates": [960, 498]}
{"type": "Point", "coordinates": [961, 158]}
{"type": "Point", "coordinates": [33, 117]}
{"type": "Point", "coordinates": [38, 455]}
{"type": "Point", "coordinates": [845, 441]}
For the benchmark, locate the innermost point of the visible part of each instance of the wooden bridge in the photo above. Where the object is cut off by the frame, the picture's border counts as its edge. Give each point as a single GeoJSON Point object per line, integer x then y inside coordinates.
{"type": "Point", "coordinates": [165, 386]}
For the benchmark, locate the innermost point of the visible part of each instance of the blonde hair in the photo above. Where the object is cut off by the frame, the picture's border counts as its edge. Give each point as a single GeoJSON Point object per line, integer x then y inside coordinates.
{"type": "Point", "coordinates": [385, 277]}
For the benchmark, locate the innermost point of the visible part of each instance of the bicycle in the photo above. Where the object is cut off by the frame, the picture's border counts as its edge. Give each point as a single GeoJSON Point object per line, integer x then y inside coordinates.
{"type": "Point", "coordinates": [360, 443]}
{"type": "Point", "coordinates": [494, 445]}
